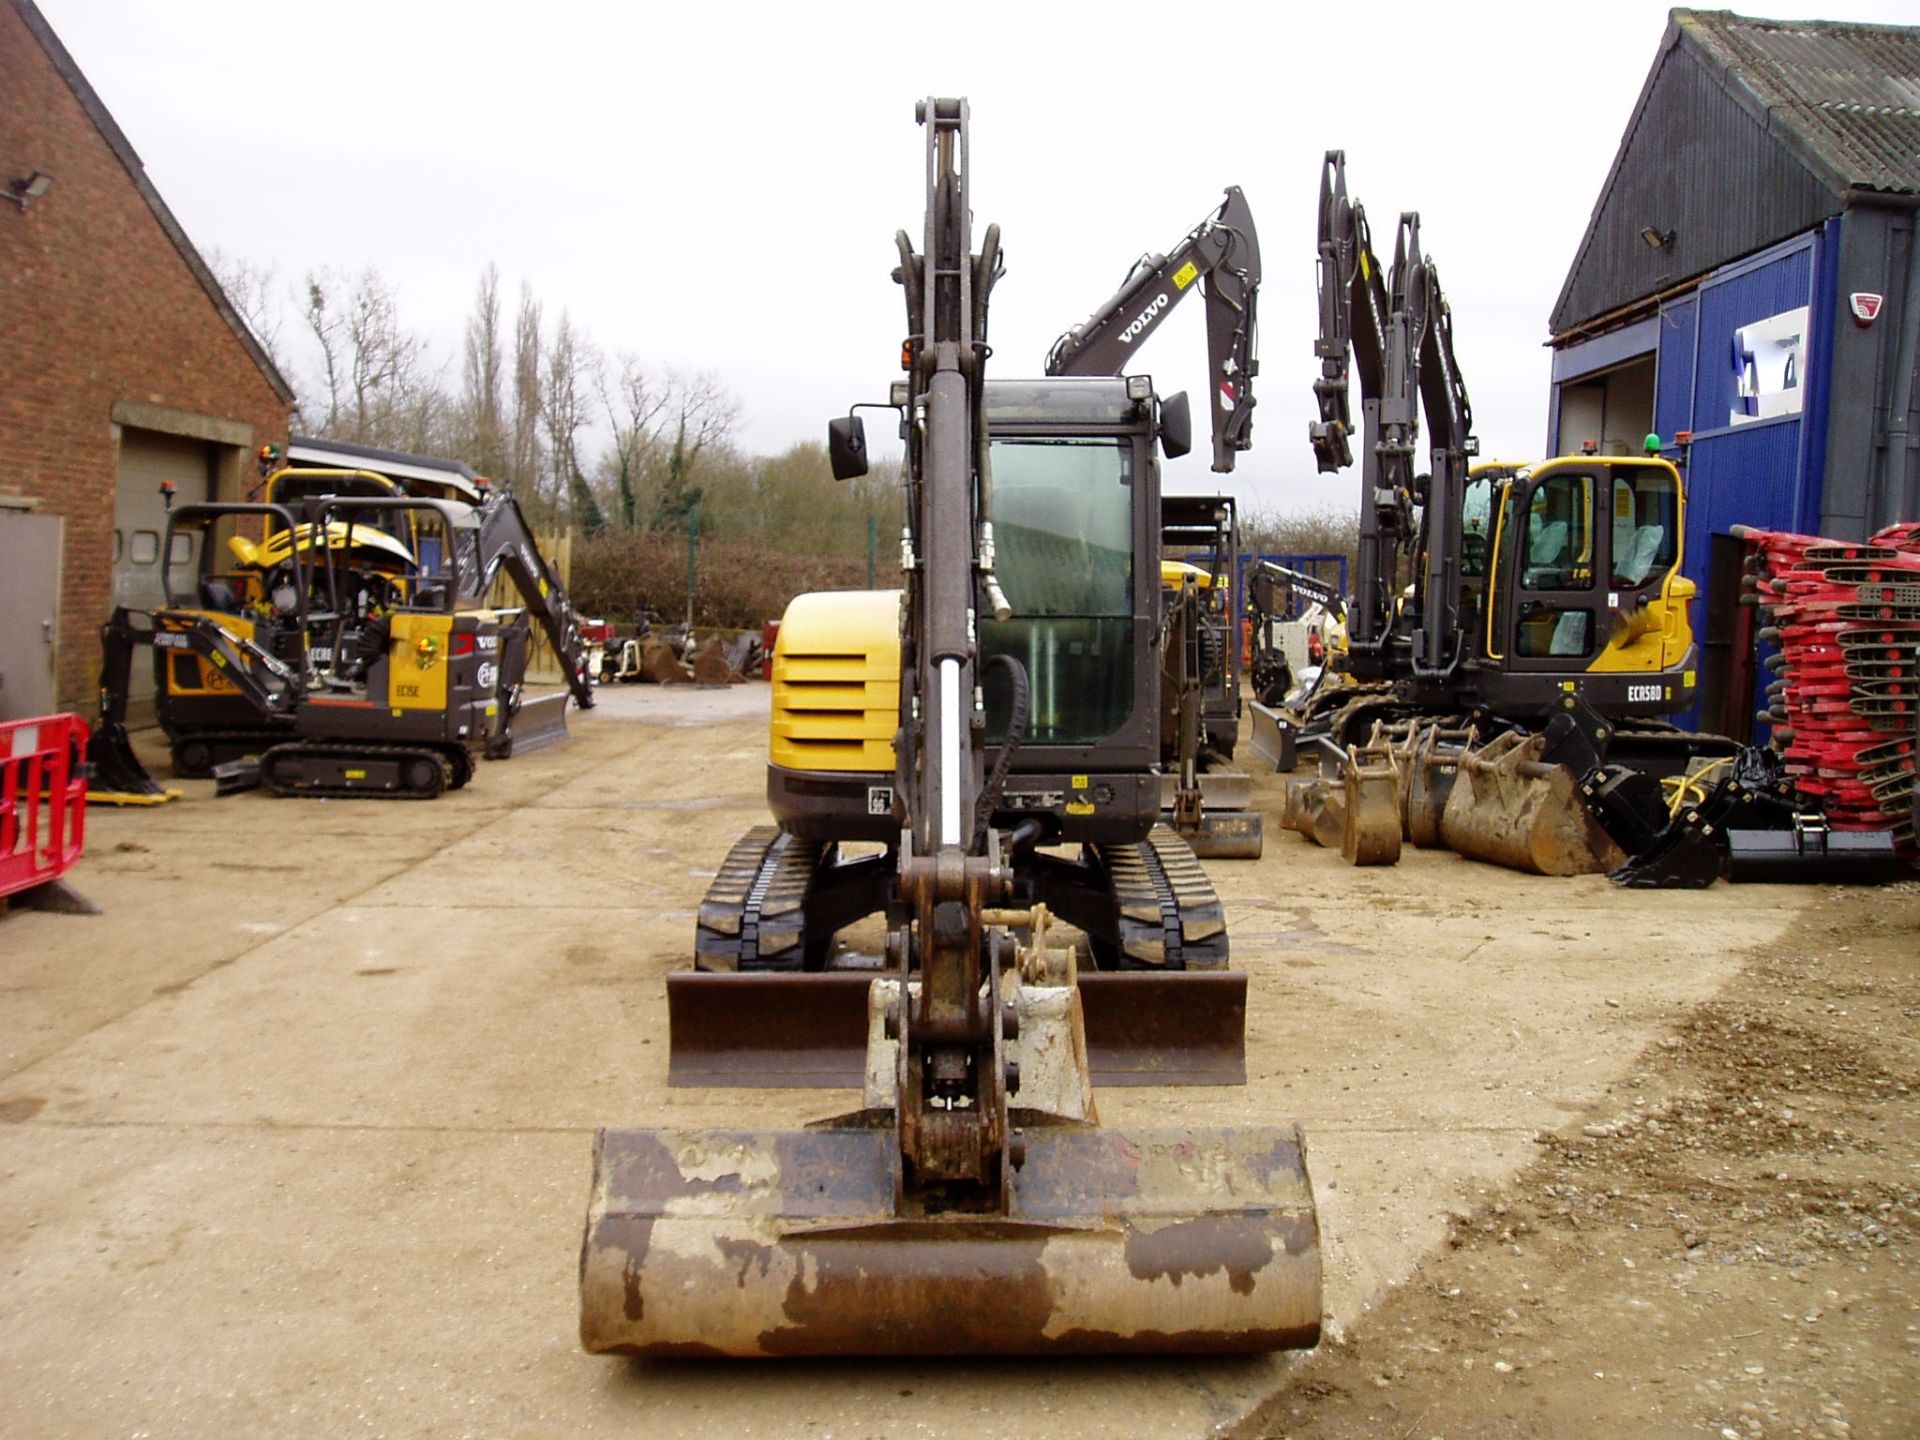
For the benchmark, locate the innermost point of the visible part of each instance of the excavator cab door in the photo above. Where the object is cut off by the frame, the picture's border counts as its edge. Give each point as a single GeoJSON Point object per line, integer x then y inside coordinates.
{"type": "Point", "coordinates": [1558, 563]}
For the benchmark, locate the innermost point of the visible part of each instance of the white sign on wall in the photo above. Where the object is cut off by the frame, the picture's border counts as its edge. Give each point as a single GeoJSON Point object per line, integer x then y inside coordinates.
{"type": "Point", "coordinates": [1768, 366]}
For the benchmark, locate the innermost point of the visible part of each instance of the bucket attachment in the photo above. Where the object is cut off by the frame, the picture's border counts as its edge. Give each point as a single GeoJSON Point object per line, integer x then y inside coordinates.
{"type": "Point", "coordinates": [1431, 765]}
{"type": "Point", "coordinates": [796, 1030]}
{"type": "Point", "coordinates": [1356, 812]}
{"type": "Point", "coordinates": [1509, 808]}
{"type": "Point", "coordinates": [660, 665]}
{"type": "Point", "coordinates": [788, 1243]}
{"type": "Point", "coordinates": [737, 1243]}
{"type": "Point", "coordinates": [116, 775]}
{"type": "Point", "coordinates": [713, 666]}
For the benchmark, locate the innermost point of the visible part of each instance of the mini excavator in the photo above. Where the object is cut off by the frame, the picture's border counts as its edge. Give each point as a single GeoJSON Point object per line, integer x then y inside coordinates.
{"type": "Point", "coordinates": [973, 1204]}
{"type": "Point", "coordinates": [335, 639]}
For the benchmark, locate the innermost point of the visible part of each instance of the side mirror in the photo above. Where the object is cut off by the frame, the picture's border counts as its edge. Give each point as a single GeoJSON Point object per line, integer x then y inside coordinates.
{"type": "Point", "coordinates": [1176, 426]}
{"type": "Point", "coordinates": [847, 447]}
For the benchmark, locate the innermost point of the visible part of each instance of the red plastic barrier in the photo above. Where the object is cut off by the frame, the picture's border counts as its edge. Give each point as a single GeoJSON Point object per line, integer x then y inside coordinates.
{"type": "Point", "coordinates": [43, 799]}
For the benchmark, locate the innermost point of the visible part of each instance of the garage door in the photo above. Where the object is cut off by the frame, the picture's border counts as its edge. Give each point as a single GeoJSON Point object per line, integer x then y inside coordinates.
{"type": "Point", "coordinates": [147, 459]}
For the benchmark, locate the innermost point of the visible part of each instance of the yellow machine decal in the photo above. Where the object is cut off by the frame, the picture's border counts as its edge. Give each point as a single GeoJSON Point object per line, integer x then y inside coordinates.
{"type": "Point", "coordinates": [416, 668]}
{"type": "Point", "coordinates": [189, 674]}
{"type": "Point", "coordinates": [1185, 276]}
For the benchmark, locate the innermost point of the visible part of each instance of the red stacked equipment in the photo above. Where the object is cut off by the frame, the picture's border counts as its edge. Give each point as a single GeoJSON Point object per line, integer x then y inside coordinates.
{"type": "Point", "coordinates": [1846, 619]}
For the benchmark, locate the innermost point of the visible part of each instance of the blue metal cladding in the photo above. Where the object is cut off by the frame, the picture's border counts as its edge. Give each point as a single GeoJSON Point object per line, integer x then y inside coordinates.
{"type": "Point", "coordinates": [1673, 374]}
{"type": "Point", "coordinates": [1740, 477]}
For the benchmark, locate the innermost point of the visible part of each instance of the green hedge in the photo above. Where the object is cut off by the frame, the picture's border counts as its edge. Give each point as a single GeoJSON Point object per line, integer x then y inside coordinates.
{"type": "Point", "coordinates": [740, 585]}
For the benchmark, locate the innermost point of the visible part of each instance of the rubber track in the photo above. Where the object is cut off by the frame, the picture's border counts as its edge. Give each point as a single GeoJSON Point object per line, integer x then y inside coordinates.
{"type": "Point", "coordinates": [1167, 913]}
{"type": "Point", "coordinates": [754, 913]}
{"type": "Point", "coordinates": [401, 753]}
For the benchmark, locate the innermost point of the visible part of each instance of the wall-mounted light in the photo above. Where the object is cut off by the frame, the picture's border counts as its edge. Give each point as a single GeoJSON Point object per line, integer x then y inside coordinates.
{"type": "Point", "coordinates": [24, 192]}
{"type": "Point", "coordinates": [1656, 239]}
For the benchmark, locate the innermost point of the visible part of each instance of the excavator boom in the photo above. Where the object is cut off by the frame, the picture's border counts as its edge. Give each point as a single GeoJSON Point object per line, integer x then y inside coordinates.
{"type": "Point", "coordinates": [1221, 257]}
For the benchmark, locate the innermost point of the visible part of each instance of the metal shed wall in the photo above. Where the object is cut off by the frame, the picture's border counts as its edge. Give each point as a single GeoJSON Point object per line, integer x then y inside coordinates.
{"type": "Point", "coordinates": [1695, 163]}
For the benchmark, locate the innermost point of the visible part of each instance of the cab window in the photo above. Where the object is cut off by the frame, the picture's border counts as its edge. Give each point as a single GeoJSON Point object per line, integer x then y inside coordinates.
{"type": "Point", "coordinates": [1557, 550]}
{"type": "Point", "coordinates": [1646, 525]}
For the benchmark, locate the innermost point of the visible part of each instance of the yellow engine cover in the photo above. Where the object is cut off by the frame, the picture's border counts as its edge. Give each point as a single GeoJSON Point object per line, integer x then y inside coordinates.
{"type": "Point", "coordinates": [417, 651]}
{"type": "Point", "coordinates": [836, 682]}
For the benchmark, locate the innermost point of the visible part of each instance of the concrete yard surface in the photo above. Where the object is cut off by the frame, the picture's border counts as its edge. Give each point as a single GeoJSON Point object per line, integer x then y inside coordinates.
{"type": "Point", "coordinates": [295, 1137]}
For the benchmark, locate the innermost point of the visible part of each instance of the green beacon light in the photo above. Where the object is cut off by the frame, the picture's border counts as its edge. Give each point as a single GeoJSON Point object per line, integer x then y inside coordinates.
{"type": "Point", "coordinates": [1652, 444]}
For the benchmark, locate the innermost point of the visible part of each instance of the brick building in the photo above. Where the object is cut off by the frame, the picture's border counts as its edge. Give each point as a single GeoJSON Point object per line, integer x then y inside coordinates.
{"type": "Point", "coordinates": [123, 365]}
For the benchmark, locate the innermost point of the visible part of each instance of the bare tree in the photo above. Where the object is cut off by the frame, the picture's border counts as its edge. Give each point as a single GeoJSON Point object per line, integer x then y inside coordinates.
{"type": "Point", "coordinates": [704, 414]}
{"type": "Point", "coordinates": [524, 447]}
{"type": "Point", "coordinates": [324, 320]}
{"type": "Point", "coordinates": [484, 374]}
{"type": "Point", "coordinates": [634, 401]}
{"type": "Point", "coordinates": [255, 292]}
{"type": "Point", "coordinates": [566, 377]}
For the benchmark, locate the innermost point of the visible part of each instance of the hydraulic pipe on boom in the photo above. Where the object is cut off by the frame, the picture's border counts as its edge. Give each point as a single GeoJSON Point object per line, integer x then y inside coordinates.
{"type": "Point", "coordinates": [1222, 255]}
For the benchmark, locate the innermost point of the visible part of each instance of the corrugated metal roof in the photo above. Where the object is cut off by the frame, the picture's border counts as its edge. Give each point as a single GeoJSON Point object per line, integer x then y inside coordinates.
{"type": "Point", "coordinates": [1844, 96]}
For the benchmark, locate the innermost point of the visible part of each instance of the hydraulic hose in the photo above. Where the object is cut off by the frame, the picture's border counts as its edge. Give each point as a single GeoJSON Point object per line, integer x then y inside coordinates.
{"type": "Point", "coordinates": [1016, 732]}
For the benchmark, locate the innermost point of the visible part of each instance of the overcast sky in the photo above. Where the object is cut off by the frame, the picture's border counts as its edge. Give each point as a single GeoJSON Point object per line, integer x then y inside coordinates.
{"type": "Point", "coordinates": [716, 186]}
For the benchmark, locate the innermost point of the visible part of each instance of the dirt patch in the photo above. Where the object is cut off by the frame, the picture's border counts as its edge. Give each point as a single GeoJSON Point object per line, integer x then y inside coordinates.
{"type": "Point", "coordinates": [1724, 1248]}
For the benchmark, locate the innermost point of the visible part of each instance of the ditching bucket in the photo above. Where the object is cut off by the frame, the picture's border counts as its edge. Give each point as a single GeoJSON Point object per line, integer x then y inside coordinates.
{"type": "Point", "coordinates": [1508, 807]}
{"type": "Point", "coordinates": [786, 1030]}
{"type": "Point", "coordinates": [787, 1243]}
{"type": "Point", "coordinates": [118, 777]}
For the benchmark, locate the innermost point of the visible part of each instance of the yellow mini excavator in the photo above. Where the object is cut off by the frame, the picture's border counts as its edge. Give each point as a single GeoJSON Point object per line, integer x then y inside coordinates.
{"type": "Point", "coordinates": [336, 640]}
{"type": "Point", "coordinates": [973, 1204]}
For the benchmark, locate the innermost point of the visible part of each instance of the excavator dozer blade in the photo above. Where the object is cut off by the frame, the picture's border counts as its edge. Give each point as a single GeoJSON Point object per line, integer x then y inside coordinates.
{"type": "Point", "coordinates": [1227, 835]}
{"type": "Point", "coordinates": [1509, 808]}
{"type": "Point", "coordinates": [540, 721]}
{"type": "Point", "coordinates": [796, 1030]}
{"type": "Point", "coordinates": [787, 1243]}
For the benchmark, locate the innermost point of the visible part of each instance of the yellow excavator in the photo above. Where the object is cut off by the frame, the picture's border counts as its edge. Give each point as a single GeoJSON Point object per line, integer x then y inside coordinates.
{"type": "Point", "coordinates": [336, 639]}
{"type": "Point", "coordinates": [973, 1204]}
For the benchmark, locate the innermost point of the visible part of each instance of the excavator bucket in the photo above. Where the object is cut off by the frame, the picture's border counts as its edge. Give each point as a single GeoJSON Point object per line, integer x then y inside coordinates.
{"type": "Point", "coordinates": [740, 1243]}
{"type": "Point", "coordinates": [1431, 767]}
{"type": "Point", "coordinates": [116, 775]}
{"type": "Point", "coordinates": [1509, 808]}
{"type": "Point", "coordinates": [659, 664]}
{"type": "Point", "coordinates": [796, 1030]}
{"type": "Point", "coordinates": [1356, 812]}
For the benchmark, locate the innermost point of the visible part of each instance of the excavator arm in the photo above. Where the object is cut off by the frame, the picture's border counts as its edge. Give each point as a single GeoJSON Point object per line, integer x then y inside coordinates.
{"type": "Point", "coordinates": [1398, 329]}
{"type": "Point", "coordinates": [1221, 255]}
{"type": "Point", "coordinates": [506, 543]}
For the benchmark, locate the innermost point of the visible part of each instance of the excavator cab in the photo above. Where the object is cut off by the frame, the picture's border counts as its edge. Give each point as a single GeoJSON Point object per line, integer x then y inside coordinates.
{"type": "Point", "coordinates": [1585, 594]}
